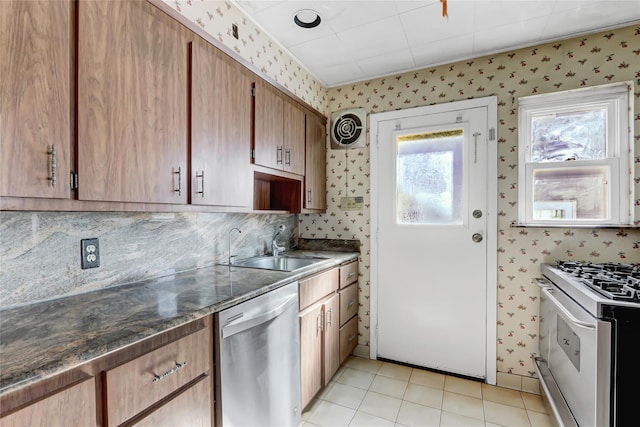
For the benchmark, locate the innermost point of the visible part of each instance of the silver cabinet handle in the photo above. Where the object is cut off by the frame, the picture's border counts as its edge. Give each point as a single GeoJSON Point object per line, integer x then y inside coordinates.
{"type": "Point", "coordinates": [54, 165]}
{"type": "Point", "coordinates": [319, 323]}
{"type": "Point", "coordinates": [288, 158]}
{"type": "Point", "coordinates": [279, 155]}
{"type": "Point", "coordinates": [477, 237]}
{"type": "Point", "coordinates": [309, 197]}
{"type": "Point", "coordinates": [328, 318]}
{"type": "Point", "coordinates": [201, 176]}
{"type": "Point", "coordinates": [352, 337]}
{"type": "Point", "coordinates": [178, 366]}
{"type": "Point", "coordinates": [351, 303]}
{"type": "Point", "coordinates": [353, 273]}
{"type": "Point", "coordinates": [179, 173]}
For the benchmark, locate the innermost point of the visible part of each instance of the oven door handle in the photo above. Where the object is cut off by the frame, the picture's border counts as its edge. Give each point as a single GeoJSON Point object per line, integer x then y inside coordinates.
{"type": "Point", "coordinates": [549, 293]}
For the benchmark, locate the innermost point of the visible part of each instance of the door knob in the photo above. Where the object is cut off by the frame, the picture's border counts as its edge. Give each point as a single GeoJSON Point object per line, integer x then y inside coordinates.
{"type": "Point", "coordinates": [477, 237]}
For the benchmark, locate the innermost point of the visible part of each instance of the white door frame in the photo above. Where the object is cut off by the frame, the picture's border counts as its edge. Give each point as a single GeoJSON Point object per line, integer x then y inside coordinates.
{"type": "Point", "coordinates": [492, 216]}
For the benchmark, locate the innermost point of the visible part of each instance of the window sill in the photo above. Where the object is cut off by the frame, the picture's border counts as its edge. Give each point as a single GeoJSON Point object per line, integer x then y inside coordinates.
{"type": "Point", "coordinates": [515, 224]}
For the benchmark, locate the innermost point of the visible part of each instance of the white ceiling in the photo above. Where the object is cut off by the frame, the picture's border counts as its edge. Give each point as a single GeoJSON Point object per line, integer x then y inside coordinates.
{"type": "Point", "coordinates": [361, 40]}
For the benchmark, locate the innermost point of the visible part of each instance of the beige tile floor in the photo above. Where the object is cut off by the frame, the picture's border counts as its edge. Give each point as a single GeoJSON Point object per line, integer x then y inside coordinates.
{"type": "Point", "coordinates": [371, 393]}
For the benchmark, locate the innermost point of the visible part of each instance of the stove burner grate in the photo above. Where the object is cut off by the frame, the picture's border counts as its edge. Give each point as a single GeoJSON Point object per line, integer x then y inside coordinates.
{"type": "Point", "coordinates": [615, 281]}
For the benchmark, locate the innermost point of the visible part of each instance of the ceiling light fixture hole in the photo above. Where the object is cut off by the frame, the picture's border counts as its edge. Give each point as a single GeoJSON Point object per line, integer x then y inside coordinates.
{"type": "Point", "coordinates": [307, 18]}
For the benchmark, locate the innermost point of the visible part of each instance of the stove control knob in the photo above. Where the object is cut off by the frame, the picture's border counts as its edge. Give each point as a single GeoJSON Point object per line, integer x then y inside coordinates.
{"type": "Point", "coordinates": [477, 237]}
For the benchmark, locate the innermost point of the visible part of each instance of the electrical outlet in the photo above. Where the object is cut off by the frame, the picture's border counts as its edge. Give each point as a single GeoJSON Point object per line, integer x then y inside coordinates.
{"type": "Point", "coordinates": [234, 31]}
{"type": "Point", "coordinates": [90, 253]}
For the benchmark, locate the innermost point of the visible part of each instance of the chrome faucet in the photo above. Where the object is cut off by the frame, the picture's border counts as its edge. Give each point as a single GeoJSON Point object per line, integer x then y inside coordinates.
{"type": "Point", "coordinates": [274, 243]}
{"type": "Point", "coordinates": [232, 256]}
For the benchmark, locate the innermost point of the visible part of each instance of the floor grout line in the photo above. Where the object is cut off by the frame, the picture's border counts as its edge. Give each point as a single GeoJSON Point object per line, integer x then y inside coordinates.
{"type": "Point", "coordinates": [402, 400]}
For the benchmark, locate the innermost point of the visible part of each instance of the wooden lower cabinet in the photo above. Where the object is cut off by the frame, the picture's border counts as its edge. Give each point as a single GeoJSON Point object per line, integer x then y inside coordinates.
{"type": "Point", "coordinates": [189, 408]}
{"type": "Point", "coordinates": [310, 352]}
{"type": "Point", "coordinates": [331, 337]}
{"type": "Point", "coordinates": [73, 406]}
{"type": "Point", "coordinates": [348, 338]}
{"type": "Point", "coordinates": [162, 381]}
{"type": "Point", "coordinates": [319, 332]}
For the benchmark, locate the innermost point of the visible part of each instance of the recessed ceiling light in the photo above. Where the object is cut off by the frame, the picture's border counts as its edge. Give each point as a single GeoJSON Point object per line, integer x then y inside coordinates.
{"type": "Point", "coordinates": [307, 18]}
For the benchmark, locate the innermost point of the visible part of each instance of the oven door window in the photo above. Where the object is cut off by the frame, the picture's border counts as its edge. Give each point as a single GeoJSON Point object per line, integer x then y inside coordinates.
{"type": "Point", "coordinates": [569, 342]}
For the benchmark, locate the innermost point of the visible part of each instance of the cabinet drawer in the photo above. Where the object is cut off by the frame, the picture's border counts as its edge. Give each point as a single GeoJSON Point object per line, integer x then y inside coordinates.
{"type": "Point", "coordinates": [317, 287]}
{"type": "Point", "coordinates": [348, 338]}
{"type": "Point", "coordinates": [138, 384]}
{"type": "Point", "coordinates": [348, 274]}
{"type": "Point", "coordinates": [190, 408]}
{"type": "Point", "coordinates": [348, 303]}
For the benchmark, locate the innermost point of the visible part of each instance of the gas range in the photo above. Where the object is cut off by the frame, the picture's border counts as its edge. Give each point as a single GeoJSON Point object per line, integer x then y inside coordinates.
{"type": "Point", "coordinates": [589, 324]}
{"type": "Point", "coordinates": [594, 285]}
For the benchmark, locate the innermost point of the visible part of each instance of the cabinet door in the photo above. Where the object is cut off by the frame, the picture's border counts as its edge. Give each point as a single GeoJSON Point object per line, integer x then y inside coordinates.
{"type": "Point", "coordinates": [316, 159]}
{"type": "Point", "coordinates": [74, 406]}
{"type": "Point", "coordinates": [132, 103]}
{"type": "Point", "coordinates": [268, 126]}
{"type": "Point", "coordinates": [331, 337]}
{"type": "Point", "coordinates": [220, 129]}
{"type": "Point", "coordinates": [35, 93]}
{"type": "Point", "coordinates": [190, 408]}
{"type": "Point", "coordinates": [294, 138]}
{"type": "Point", "coordinates": [310, 353]}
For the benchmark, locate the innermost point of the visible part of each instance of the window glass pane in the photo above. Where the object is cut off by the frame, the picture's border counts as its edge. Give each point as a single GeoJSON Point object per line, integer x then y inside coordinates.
{"type": "Point", "coordinates": [429, 178]}
{"type": "Point", "coordinates": [571, 193]}
{"type": "Point", "coordinates": [579, 135]}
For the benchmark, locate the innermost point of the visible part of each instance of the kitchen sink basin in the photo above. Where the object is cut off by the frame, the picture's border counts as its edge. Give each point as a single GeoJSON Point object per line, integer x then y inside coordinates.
{"type": "Point", "coordinates": [279, 263]}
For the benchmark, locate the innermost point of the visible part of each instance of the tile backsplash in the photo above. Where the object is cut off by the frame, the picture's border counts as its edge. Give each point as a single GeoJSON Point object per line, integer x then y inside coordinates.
{"type": "Point", "coordinates": [40, 251]}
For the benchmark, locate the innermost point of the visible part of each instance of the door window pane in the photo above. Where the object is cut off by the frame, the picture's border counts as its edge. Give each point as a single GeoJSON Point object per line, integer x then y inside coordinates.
{"type": "Point", "coordinates": [429, 170]}
{"type": "Point", "coordinates": [579, 135]}
{"type": "Point", "coordinates": [571, 193]}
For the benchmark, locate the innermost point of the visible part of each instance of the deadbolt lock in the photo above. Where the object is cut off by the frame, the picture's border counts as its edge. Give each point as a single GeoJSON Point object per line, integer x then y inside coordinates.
{"type": "Point", "coordinates": [477, 213]}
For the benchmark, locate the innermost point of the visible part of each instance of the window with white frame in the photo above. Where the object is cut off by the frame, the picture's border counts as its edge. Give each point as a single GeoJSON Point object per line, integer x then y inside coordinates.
{"type": "Point", "coordinates": [575, 157]}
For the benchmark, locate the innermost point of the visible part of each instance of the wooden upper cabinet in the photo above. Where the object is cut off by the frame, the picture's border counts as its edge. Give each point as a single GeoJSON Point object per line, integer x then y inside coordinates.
{"type": "Point", "coordinates": [294, 138]}
{"type": "Point", "coordinates": [316, 173]}
{"type": "Point", "coordinates": [268, 126]}
{"type": "Point", "coordinates": [132, 103]}
{"type": "Point", "coordinates": [220, 129]}
{"type": "Point", "coordinates": [35, 98]}
{"type": "Point", "coordinates": [279, 136]}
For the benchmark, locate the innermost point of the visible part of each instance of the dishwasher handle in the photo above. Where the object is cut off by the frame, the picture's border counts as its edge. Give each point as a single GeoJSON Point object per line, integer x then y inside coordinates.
{"type": "Point", "coordinates": [236, 327]}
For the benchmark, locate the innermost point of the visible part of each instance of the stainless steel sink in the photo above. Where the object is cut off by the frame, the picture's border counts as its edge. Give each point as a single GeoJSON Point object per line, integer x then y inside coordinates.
{"type": "Point", "coordinates": [280, 263]}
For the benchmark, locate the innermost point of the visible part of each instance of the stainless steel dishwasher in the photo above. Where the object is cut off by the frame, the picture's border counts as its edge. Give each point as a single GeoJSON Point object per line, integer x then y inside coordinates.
{"type": "Point", "coordinates": [259, 361]}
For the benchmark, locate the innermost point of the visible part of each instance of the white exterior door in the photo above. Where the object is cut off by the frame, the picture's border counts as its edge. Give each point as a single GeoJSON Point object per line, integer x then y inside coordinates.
{"type": "Point", "coordinates": [431, 210]}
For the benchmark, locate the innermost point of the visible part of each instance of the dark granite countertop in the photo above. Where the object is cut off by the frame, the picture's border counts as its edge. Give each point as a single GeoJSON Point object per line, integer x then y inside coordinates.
{"type": "Point", "coordinates": [43, 339]}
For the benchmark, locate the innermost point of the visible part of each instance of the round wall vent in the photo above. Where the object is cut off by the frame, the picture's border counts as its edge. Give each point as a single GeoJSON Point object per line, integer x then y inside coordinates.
{"type": "Point", "coordinates": [348, 128]}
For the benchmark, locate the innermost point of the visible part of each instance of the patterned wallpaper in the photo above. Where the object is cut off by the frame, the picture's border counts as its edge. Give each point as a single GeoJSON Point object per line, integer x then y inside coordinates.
{"type": "Point", "coordinates": [595, 59]}
{"type": "Point", "coordinates": [217, 17]}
